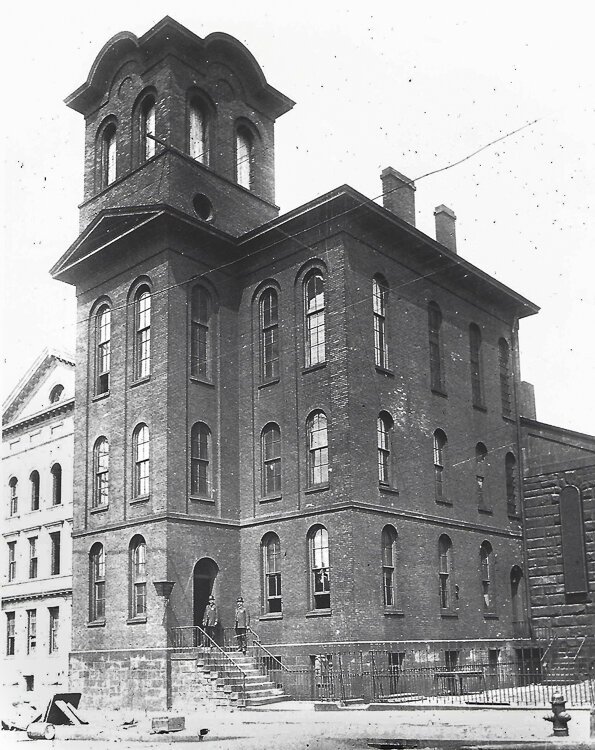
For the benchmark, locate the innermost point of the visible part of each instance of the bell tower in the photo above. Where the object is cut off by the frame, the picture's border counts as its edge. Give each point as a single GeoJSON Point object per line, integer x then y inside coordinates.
{"type": "Point", "coordinates": [175, 120]}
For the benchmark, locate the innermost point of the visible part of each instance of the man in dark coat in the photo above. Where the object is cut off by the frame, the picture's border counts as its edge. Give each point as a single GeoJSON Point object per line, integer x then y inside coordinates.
{"type": "Point", "coordinates": [210, 619]}
{"type": "Point", "coordinates": [242, 624]}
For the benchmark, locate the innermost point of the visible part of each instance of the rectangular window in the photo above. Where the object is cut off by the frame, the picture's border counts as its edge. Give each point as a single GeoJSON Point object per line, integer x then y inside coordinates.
{"type": "Point", "coordinates": [55, 553]}
{"type": "Point", "coordinates": [33, 557]}
{"type": "Point", "coordinates": [31, 631]}
{"type": "Point", "coordinates": [379, 293]}
{"type": "Point", "coordinates": [12, 561]}
{"type": "Point", "coordinates": [54, 623]}
{"type": "Point", "coordinates": [10, 633]}
{"type": "Point", "coordinates": [199, 349]}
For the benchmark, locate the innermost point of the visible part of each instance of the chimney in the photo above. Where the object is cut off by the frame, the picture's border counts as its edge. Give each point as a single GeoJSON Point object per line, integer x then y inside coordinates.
{"type": "Point", "coordinates": [398, 194]}
{"type": "Point", "coordinates": [527, 400]}
{"type": "Point", "coordinates": [445, 227]}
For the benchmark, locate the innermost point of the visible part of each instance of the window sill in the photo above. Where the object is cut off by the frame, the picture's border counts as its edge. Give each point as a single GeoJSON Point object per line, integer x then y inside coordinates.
{"type": "Point", "coordinates": [490, 616]}
{"type": "Point", "coordinates": [384, 371]}
{"type": "Point", "coordinates": [388, 612]}
{"type": "Point", "coordinates": [140, 381]}
{"type": "Point", "coordinates": [444, 501]}
{"type": "Point", "coordinates": [202, 499]}
{"type": "Point", "coordinates": [388, 489]}
{"type": "Point", "coordinates": [270, 498]}
{"type": "Point", "coordinates": [140, 499]}
{"type": "Point", "coordinates": [449, 614]}
{"type": "Point", "coordinates": [136, 620]}
{"type": "Point", "coordinates": [317, 488]}
{"type": "Point", "coordinates": [319, 613]}
{"type": "Point", "coordinates": [312, 368]}
{"type": "Point", "coordinates": [439, 392]}
{"type": "Point", "coordinates": [100, 396]}
{"type": "Point", "coordinates": [480, 407]}
{"type": "Point", "coordinates": [96, 624]}
{"type": "Point", "coordinates": [485, 511]}
{"type": "Point", "coordinates": [508, 418]}
{"type": "Point", "coordinates": [272, 616]}
{"type": "Point", "coordinates": [203, 381]}
{"type": "Point", "coordinates": [99, 508]}
{"type": "Point", "coordinates": [267, 383]}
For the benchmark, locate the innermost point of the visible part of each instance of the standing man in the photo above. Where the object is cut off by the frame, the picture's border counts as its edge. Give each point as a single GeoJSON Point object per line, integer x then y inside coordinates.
{"type": "Point", "coordinates": [242, 623]}
{"type": "Point", "coordinates": [210, 619]}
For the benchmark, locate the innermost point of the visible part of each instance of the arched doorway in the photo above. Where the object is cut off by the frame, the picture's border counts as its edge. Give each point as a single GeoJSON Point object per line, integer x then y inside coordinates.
{"type": "Point", "coordinates": [517, 597]}
{"type": "Point", "coordinates": [205, 572]}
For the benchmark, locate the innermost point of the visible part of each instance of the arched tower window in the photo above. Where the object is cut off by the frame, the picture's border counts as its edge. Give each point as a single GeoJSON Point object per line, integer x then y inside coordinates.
{"type": "Point", "coordinates": [96, 583]}
{"type": "Point", "coordinates": [440, 443]}
{"type": "Point", "coordinates": [445, 582]}
{"type": "Point", "coordinates": [271, 569]}
{"type": "Point", "coordinates": [271, 459]}
{"type": "Point", "coordinates": [319, 567]}
{"type": "Point", "coordinates": [505, 379]}
{"type": "Point", "coordinates": [486, 559]}
{"type": "Point", "coordinates": [380, 299]}
{"type": "Point", "coordinates": [475, 365]}
{"type": "Point", "coordinates": [315, 333]}
{"type": "Point", "coordinates": [200, 342]}
{"type": "Point", "coordinates": [384, 429]}
{"type": "Point", "coordinates": [100, 472]}
{"type": "Point", "coordinates": [244, 157]}
{"type": "Point", "coordinates": [102, 350]}
{"type": "Point", "coordinates": [316, 430]}
{"type": "Point", "coordinates": [481, 455]}
{"type": "Point", "coordinates": [108, 155]}
{"type": "Point", "coordinates": [200, 457]}
{"type": "Point", "coordinates": [198, 131]}
{"type": "Point", "coordinates": [34, 481]}
{"type": "Point", "coordinates": [435, 340]}
{"type": "Point", "coordinates": [511, 484]}
{"type": "Point", "coordinates": [148, 114]}
{"type": "Point", "coordinates": [389, 555]}
{"type": "Point", "coordinates": [56, 484]}
{"type": "Point", "coordinates": [142, 337]}
{"type": "Point", "coordinates": [138, 577]}
{"type": "Point", "coordinates": [142, 468]}
{"type": "Point", "coordinates": [14, 498]}
{"type": "Point", "coordinates": [269, 334]}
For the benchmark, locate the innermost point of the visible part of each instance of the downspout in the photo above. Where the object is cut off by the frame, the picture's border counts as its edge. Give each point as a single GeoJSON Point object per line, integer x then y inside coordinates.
{"type": "Point", "coordinates": [521, 455]}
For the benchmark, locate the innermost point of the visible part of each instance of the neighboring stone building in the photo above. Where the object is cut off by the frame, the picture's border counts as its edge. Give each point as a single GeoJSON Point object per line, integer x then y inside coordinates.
{"type": "Point", "coordinates": [317, 410]}
{"type": "Point", "coordinates": [559, 469]}
{"type": "Point", "coordinates": [37, 460]}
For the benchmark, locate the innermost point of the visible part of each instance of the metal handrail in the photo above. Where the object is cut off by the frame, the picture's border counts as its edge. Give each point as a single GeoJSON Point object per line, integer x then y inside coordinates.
{"type": "Point", "coordinates": [579, 648]}
{"type": "Point", "coordinates": [206, 638]}
{"type": "Point", "coordinates": [553, 639]}
{"type": "Point", "coordinates": [256, 641]}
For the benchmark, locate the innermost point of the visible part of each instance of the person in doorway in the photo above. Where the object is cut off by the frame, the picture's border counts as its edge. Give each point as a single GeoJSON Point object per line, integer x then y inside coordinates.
{"type": "Point", "coordinates": [242, 625]}
{"type": "Point", "coordinates": [210, 620]}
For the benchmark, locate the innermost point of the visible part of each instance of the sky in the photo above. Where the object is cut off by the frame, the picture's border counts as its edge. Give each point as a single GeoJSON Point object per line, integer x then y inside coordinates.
{"type": "Point", "coordinates": [414, 86]}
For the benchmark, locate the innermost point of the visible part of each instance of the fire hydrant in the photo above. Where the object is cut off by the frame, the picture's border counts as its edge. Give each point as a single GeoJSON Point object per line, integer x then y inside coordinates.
{"type": "Point", "coordinates": [560, 717]}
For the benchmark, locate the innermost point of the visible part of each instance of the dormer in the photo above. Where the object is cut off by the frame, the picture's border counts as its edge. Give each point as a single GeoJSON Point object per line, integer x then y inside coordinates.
{"type": "Point", "coordinates": [175, 120]}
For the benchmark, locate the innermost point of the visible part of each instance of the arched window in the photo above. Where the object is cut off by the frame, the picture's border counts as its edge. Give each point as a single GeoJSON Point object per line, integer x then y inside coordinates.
{"type": "Point", "coordinates": [271, 459]}
{"type": "Point", "coordinates": [440, 443]}
{"type": "Point", "coordinates": [486, 560]}
{"type": "Point", "coordinates": [101, 472]}
{"type": "Point", "coordinates": [56, 393]}
{"type": "Point", "coordinates": [142, 467]}
{"type": "Point", "coordinates": [315, 334]}
{"type": "Point", "coordinates": [142, 323]}
{"type": "Point", "coordinates": [138, 577]}
{"type": "Point", "coordinates": [96, 583]}
{"type": "Point", "coordinates": [384, 431]}
{"type": "Point", "coordinates": [108, 155]}
{"type": "Point", "coordinates": [316, 429]}
{"type": "Point", "coordinates": [198, 131]}
{"type": "Point", "coordinates": [319, 567]}
{"type": "Point", "coordinates": [147, 114]}
{"type": "Point", "coordinates": [200, 458]}
{"type": "Point", "coordinates": [269, 335]}
{"type": "Point", "coordinates": [271, 568]}
{"type": "Point", "coordinates": [481, 454]}
{"type": "Point", "coordinates": [475, 365]}
{"type": "Point", "coordinates": [244, 157]}
{"type": "Point", "coordinates": [200, 343]}
{"type": "Point", "coordinates": [56, 484]}
{"type": "Point", "coordinates": [510, 472]}
{"type": "Point", "coordinates": [389, 557]}
{"type": "Point", "coordinates": [505, 380]}
{"type": "Point", "coordinates": [102, 349]}
{"type": "Point", "coordinates": [14, 498]}
{"type": "Point", "coordinates": [445, 582]}
{"type": "Point", "coordinates": [435, 339]}
{"type": "Point", "coordinates": [34, 480]}
{"type": "Point", "coordinates": [380, 297]}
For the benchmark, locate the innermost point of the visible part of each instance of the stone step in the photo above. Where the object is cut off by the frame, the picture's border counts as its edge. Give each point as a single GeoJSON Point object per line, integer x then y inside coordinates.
{"type": "Point", "coordinates": [266, 701]}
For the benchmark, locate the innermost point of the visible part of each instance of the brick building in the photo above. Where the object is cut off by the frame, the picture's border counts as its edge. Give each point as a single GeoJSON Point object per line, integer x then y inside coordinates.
{"type": "Point", "coordinates": [37, 459]}
{"type": "Point", "coordinates": [317, 410]}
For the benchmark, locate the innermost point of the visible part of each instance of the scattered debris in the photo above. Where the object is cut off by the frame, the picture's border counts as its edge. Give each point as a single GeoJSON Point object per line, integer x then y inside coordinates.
{"type": "Point", "coordinates": [20, 715]}
{"type": "Point", "coordinates": [129, 723]}
{"type": "Point", "coordinates": [202, 734]}
{"type": "Point", "coordinates": [165, 724]}
{"type": "Point", "coordinates": [41, 730]}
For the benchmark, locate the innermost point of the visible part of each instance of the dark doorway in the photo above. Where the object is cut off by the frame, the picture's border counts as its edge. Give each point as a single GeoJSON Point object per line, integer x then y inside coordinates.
{"type": "Point", "coordinates": [205, 572]}
{"type": "Point", "coordinates": [520, 625]}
